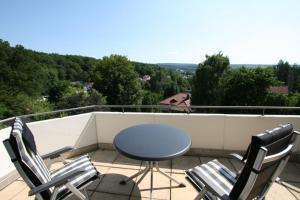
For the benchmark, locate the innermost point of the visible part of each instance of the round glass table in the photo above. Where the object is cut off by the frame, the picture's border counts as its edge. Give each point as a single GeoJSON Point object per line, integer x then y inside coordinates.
{"type": "Point", "coordinates": [152, 143]}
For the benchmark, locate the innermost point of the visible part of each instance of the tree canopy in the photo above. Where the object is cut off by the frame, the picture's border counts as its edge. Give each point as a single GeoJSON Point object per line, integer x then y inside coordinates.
{"type": "Point", "coordinates": [206, 82]}
{"type": "Point", "coordinates": [246, 86]}
{"type": "Point", "coordinates": [33, 81]}
{"type": "Point", "coordinates": [115, 78]}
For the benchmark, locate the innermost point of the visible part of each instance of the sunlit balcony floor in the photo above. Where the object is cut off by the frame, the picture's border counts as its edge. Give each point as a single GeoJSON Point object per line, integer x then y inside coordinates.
{"type": "Point", "coordinates": [115, 167]}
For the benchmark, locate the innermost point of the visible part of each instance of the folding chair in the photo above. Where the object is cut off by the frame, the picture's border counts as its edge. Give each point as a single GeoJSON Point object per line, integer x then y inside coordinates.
{"type": "Point", "coordinates": [71, 179]}
{"type": "Point", "coordinates": [263, 162]}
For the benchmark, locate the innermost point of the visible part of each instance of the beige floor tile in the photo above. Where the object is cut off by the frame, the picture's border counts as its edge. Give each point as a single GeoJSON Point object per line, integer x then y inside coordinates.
{"type": "Point", "coordinates": [125, 162]}
{"type": "Point", "coordinates": [165, 165]}
{"type": "Point", "coordinates": [12, 190]}
{"type": "Point", "coordinates": [109, 188]}
{"type": "Point", "coordinates": [73, 197]}
{"type": "Point", "coordinates": [56, 165]}
{"type": "Point", "coordinates": [111, 181]}
{"type": "Point", "coordinates": [180, 164]}
{"type": "Point", "coordinates": [104, 158]}
{"type": "Point", "coordinates": [161, 187]}
{"type": "Point", "coordinates": [294, 188]}
{"type": "Point", "coordinates": [179, 193]}
{"type": "Point", "coordinates": [94, 185]}
{"type": "Point", "coordinates": [23, 195]}
{"type": "Point", "coordinates": [142, 198]}
{"type": "Point", "coordinates": [289, 172]}
{"type": "Point", "coordinates": [102, 169]}
{"type": "Point", "coordinates": [107, 196]}
{"type": "Point", "coordinates": [278, 192]}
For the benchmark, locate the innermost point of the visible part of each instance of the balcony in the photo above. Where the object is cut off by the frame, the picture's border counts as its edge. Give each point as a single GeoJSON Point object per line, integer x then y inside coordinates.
{"type": "Point", "coordinates": [213, 136]}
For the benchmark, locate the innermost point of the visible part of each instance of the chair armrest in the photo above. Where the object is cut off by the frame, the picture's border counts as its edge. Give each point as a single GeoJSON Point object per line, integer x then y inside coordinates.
{"type": "Point", "coordinates": [57, 153]}
{"type": "Point", "coordinates": [237, 157]}
{"type": "Point", "coordinates": [57, 181]}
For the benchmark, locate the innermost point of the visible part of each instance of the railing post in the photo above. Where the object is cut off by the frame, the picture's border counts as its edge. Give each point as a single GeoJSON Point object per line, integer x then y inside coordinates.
{"type": "Point", "coordinates": [263, 113]}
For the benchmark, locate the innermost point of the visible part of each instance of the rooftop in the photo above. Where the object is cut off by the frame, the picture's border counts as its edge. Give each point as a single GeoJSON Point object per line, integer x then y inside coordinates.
{"type": "Point", "coordinates": [115, 167]}
{"type": "Point", "coordinates": [180, 102]}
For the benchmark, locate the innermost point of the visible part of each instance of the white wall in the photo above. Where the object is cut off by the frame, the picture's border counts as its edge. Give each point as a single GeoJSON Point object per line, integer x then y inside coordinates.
{"type": "Point", "coordinates": [208, 131]}
{"type": "Point", "coordinates": [77, 131]}
{"type": "Point", "coordinates": [110, 123]}
{"type": "Point", "coordinates": [7, 167]}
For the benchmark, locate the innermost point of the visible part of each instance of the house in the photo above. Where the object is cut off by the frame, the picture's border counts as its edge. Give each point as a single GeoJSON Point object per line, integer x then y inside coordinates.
{"type": "Point", "coordinates": [279, 89]}
{"type": "Point", "coordinates": [146, 78]}
{"type": "Point", "coordinates": [178, 102]}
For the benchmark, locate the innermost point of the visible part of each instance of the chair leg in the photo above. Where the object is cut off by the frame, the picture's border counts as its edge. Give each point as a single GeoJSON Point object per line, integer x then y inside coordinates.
{"type": "Point", "coordinates": [86, 194]}
{"type": "Point", "coordinates": [76, 192]}
{"type": "Point", "coordinates": [54, 194]}
{"type": "Point", "coordinates": [201, 194]}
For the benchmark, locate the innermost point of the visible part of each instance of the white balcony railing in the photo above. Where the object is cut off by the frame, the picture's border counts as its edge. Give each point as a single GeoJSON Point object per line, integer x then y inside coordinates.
{"type": "Point", "coordinates": [210, 133]}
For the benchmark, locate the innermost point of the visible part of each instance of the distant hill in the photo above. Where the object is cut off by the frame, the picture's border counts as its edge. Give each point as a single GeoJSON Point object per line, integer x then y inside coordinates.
{"type": "Point", "coordinates": [192, 67]}
{"type": "Point", "coordinates": [176, 66]}
{"type": "Point", "coordinates": [251, 65]}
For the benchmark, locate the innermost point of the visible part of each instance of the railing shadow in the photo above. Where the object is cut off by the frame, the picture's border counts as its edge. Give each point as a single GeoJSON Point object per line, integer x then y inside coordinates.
{"type": "Point", "coordinates": [290, 176]}
{"type": "Point", "coordinates": [110, 183]}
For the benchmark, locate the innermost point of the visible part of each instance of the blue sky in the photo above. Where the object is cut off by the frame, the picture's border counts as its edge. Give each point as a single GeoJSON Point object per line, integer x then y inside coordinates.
{"type": "Point", "coordinates": [249, 32]}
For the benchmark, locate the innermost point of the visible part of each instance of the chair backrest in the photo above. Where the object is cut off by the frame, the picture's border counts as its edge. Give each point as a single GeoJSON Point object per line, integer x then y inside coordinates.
{"type": "Point", "coordinates": [22, 150]}
{"type": "Point", "coordinates": [266, 156]}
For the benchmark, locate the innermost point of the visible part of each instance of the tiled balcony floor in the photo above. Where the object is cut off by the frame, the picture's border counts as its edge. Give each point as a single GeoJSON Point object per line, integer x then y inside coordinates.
{"type": "Point", "coordinates": [115, 167]}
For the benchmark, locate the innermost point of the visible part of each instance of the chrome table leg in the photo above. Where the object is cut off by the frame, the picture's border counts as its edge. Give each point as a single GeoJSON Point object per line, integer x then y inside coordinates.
{"type": "Point", "coordinates": [143, 171]}
{"type": "Point", "coordinates": [169, 177]}
{"type": "Point", "coordinates": [151, 181]}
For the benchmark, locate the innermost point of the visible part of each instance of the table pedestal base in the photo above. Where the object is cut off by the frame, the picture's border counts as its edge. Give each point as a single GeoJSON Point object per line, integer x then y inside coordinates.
{"type": "Point", "coordinates": [149, 168]}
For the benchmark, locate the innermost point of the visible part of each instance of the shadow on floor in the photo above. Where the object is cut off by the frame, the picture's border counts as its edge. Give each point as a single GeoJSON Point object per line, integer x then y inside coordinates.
{"type": "Point", "coordinates": [290, 176]}
{"type": "Point", "coordinates": [110, 184]}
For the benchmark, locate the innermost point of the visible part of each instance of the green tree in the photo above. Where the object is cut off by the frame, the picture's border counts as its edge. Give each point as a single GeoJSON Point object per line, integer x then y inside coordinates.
{"type": "Point", "coordinates": [246, 86]}
{"type": "Point", "coordinates": [205, 87]}
{"type": "Point", "coordinates": [59, 89]}
{"type": "Point", "coordinates": [294, 79]}
{"type": "Point", "coordinates": [273, 99]}
{"type": "Point", "coordinates": [14, 104]}
{"type": "Point", "coordinates": [78, 99]}
{"type": "Point", "coordinates": [151, 98]}
{"type": "Point", "coordinates": [282, 71]}
{"type": "Point", "coordinates": [115, 78]}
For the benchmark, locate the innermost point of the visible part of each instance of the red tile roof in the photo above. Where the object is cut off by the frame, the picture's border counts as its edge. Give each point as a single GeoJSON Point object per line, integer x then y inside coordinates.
{"type": "Point", "coordinates": [279, 89]}
{"type": "Point", "coordinates": [180, 102]}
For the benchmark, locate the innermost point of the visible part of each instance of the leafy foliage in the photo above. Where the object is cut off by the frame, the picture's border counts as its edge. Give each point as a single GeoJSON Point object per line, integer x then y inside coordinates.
{"type": "Point", "coordinates": [164, 82]}
{"type": "Point", "coordinates": [206, 82]}
{"type": "Point", "coordinates": [114, 77]}
{"type": "Point", "coordinates": [81, 98]}
{"type": "Point", "coordinates": [246, 86]}
{"type": "Point", "coordinates": [28, 78]}
{"type": "Point", "coordinates": [33, 81]}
